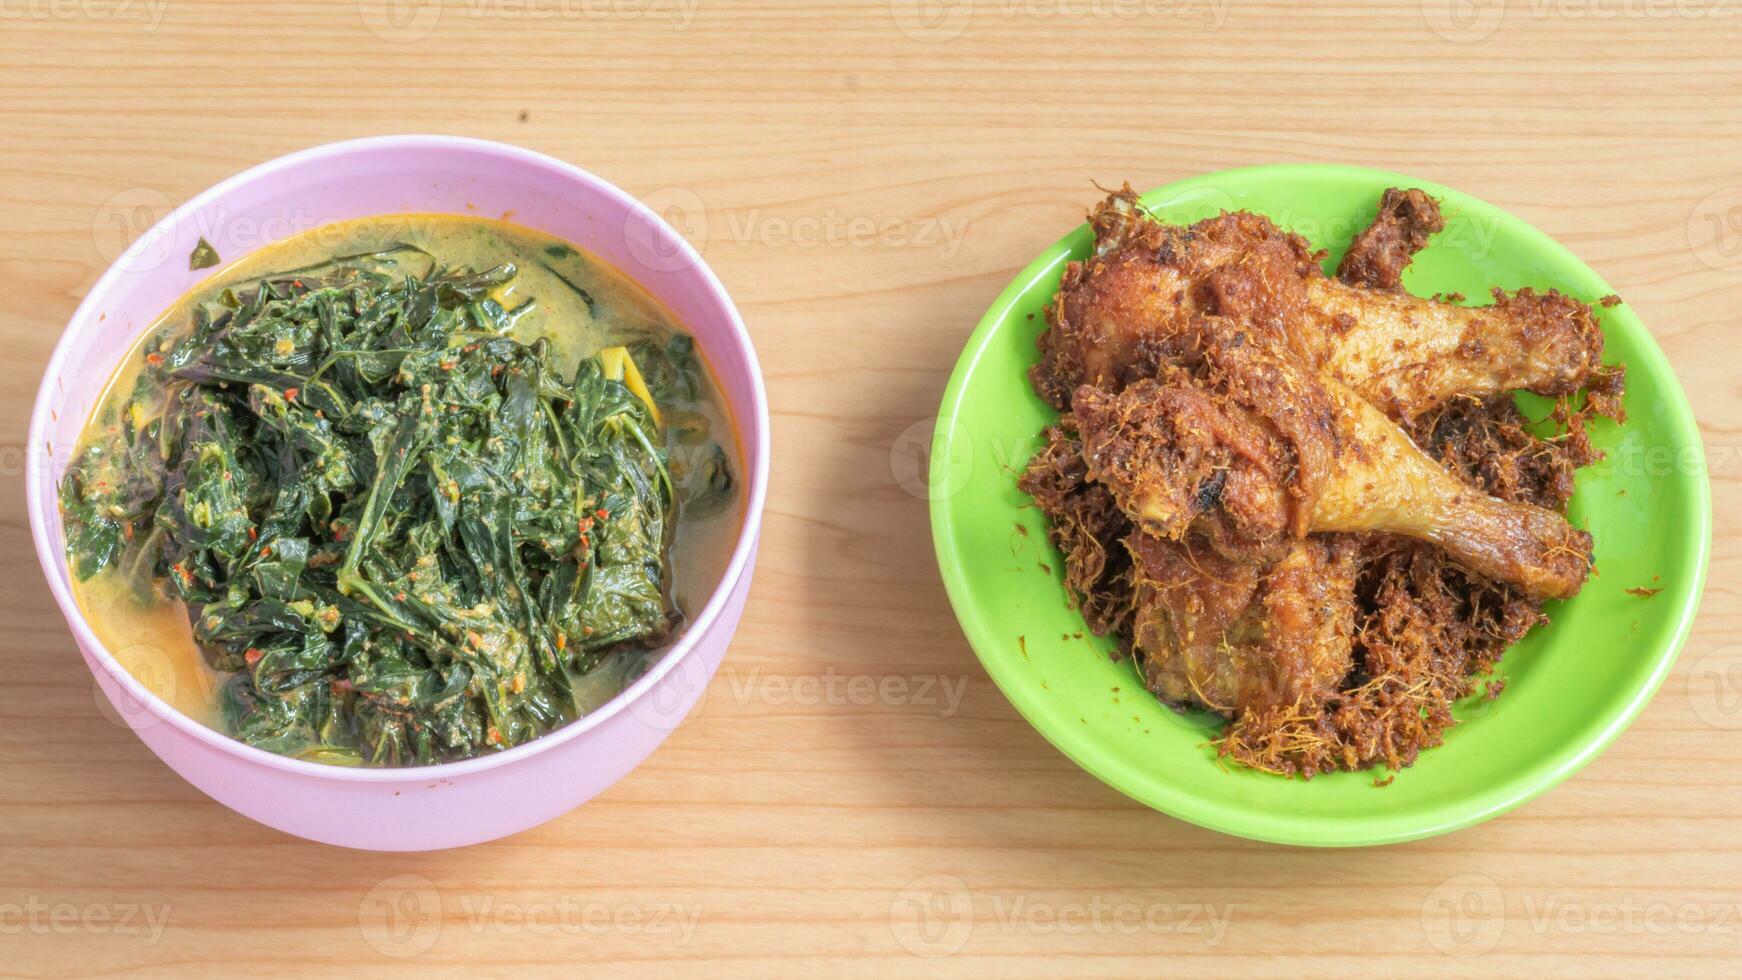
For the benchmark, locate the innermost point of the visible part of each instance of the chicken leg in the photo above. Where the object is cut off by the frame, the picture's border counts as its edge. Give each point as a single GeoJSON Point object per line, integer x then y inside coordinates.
{"type": "Point", "coordinates": [1233, 636]}
{"type": "Point", "coordinates": [1129, 308]}
{"type": "Point", "coordinates": [1247, 450]}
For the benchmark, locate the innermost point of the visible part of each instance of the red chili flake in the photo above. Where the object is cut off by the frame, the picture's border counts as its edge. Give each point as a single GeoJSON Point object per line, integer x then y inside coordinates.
{"type": "Point", "coordinates": [398, 597]}
{"type": "Point", "coordinates": [253, 535]}
{"type": "Point", "coordinates": [154, 358]}
{"type": "Point", "coordinates": [253, 656]}
{"type": "Point", "coordinates": [495, 736]}
{"type": "Point", "coordinates": [265, 551]}
{"type": "Point", "coordinates": [290, 394]}
{"type": "Point", "coordinates": [602, 513]}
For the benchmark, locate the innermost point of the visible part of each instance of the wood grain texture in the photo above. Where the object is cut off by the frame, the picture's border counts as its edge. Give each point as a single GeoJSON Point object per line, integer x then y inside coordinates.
{"type": "Point", "coordinates": [785, 828]}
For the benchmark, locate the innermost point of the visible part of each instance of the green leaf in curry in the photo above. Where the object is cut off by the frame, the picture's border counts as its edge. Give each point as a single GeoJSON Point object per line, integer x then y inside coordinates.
{"type": "Point", "coordinates": [204, 256]}
{"type": "Point", "coordinates": [398, 526]}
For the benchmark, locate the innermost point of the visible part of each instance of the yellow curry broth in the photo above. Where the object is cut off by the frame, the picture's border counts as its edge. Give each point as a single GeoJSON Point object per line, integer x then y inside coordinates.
{"type": "Point", "coordinates": [153, 638]}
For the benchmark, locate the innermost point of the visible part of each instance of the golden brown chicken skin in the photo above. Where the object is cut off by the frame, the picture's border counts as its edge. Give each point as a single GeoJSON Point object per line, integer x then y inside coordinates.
{"type": "Point", "coordinates": [1233, 636]}
{"type": "Point", "coordinates": [1129, 308]}
{"type": "Point", "coordinates": [1407, 219]}
{"type": "Point", "coordinates": [1410, 355]}
{"type": "Point", "coordinates": [1247, 449]}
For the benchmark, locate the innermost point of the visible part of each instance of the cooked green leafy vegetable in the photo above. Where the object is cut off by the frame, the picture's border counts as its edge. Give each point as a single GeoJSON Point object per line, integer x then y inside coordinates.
{"type": "Point", "coordinates": [204, 256]}
{"type": "Point", "coordinates": [403, 531]}
{"type": "Point", "coordinates": [699, 464]}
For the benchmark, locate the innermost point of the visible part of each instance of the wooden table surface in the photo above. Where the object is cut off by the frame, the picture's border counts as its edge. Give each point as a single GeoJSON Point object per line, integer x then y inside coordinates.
{"type": "Point", "coordinates": [865, 177]}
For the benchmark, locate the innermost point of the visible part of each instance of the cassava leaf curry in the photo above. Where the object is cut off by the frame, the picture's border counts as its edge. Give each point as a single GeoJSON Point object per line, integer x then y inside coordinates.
{"type": "Point", "coordinates": [401, 491]}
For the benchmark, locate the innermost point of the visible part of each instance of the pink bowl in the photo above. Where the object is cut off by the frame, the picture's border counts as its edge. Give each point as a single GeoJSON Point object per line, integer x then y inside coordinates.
{"type": "Point", "coordinates": [459, 803]}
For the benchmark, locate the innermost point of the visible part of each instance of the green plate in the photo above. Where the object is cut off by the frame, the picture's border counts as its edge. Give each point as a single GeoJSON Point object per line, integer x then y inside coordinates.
{"type": "Point", "coordinates": [1572, 686]}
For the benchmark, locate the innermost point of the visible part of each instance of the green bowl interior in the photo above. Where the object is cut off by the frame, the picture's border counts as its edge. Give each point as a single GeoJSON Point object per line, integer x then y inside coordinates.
{"type": "Point", "coordinates": [1571, 686]}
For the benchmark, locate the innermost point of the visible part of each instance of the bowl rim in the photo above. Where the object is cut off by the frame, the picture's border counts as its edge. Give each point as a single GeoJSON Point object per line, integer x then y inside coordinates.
{"type": "Point", "coordinates": [1285, 828]}
{"type": "Point", "coordinates": [756, 446]}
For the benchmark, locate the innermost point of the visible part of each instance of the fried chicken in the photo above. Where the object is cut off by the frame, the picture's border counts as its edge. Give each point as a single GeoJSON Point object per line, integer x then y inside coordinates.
{"type": "Point", "coordinates": [1234, 636]}
{"type": "Point", "coordinates": [1379, 254]}
{"type": "Point", "coordinates": [1088, 528]}
{"type": "Point", "coordinates": [1252, 449]}
{"type": "Point", "coordinates": [1130, 307]}
{"type": "Point", "coordinates": [1308, 504]}
{"type": "Point", "coordinates": [1410, 355]}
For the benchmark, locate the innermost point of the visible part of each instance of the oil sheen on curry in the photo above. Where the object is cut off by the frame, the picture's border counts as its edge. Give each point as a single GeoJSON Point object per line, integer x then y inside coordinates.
{"type": "Point", "coordinates": [401, 491]}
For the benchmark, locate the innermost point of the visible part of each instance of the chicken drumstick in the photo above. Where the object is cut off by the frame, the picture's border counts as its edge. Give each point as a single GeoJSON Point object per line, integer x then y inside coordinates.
{"type": "Point", "coordinates": [1130, 307]}
{"type": "Point", "coordinates": [1248, 450]}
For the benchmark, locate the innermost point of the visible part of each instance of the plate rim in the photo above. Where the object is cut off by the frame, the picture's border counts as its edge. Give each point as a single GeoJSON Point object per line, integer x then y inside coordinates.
{"type": "Point", "coordinates": [1536, 778]}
